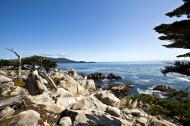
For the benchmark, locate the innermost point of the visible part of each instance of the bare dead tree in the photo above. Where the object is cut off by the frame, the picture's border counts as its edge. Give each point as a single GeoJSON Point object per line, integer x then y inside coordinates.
{"type": "Point", "coordinates": [48, 78]}
{"type": "Point", "coordinates": [19, 61]}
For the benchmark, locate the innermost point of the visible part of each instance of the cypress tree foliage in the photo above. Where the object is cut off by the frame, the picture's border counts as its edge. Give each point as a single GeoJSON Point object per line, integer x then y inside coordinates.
{"type": "Point", "coordinates": [42, 62]}
{"type": "Point", "coordinates": [33, 61]}
{"type": "Point", "coordinates": [178, 34]}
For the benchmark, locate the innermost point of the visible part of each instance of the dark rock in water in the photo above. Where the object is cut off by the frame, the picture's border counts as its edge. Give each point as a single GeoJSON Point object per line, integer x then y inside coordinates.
{"type": "Point", "coordinates": [165, 89]}
{"type": "Point", "coordinates": [120, 89]}
{"type": "Point", "coordinates": [96, 76]}
{"type": "Point", "coordinates": [112, 76]}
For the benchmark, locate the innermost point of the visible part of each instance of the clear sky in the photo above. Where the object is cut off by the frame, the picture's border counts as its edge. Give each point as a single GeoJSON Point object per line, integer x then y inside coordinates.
{"type": "Point", "coordinates": [91, 30]}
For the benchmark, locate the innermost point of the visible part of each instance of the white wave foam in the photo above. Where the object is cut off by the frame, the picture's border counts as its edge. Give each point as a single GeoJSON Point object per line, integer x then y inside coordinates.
{"type": "Point", "coordinates": [183, 79]}
{"type": "Point", "coordinates": [142, 81]}
{"type": "Point", "coordinates": [152, 92]}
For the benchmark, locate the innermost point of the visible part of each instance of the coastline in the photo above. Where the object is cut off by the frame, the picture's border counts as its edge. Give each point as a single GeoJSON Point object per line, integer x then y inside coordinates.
{"type": "Point", "coordinates": [73, 94]}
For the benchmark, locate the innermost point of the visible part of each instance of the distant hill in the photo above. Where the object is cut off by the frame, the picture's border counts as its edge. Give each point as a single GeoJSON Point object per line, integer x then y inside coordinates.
{"type": "Point", "coordinates": [60, 60]}
{"type": "Point", "coordinates": [65, 60]}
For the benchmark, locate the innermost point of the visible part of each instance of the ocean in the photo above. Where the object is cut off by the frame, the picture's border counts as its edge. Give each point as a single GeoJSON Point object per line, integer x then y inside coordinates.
{"type": "Point", "coordinates": [141, 75]}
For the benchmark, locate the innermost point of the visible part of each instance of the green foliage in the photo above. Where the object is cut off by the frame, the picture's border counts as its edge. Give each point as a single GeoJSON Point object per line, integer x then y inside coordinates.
{"type": "Point", "coordinates": [129, 97]}
{"type": "Point", "coordinates": [146, 98]}
{"type": "Point", "coordinates": [182, 10]}
{"type": "Point", "coordinates": [40, 61]}
{"type": "Point", "coordinates": [7, 63]}
{"type": "Point", "coordinates": [178, 95]}
{"type": "Point", "coordinates": [156, 110]}
{"type": "Point", "coordinates": [176, 106]}
{"type": "Point", "coordinates": [4, 62]}
{"type": "Point", "coordinates": [181, 67]}
{"type": "Point", "coordinates": [32, 61]}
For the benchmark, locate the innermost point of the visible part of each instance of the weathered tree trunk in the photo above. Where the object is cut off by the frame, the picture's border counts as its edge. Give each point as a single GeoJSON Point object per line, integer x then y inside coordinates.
{"type": "Point", "coordinates": [18, 99]}
{"type": "Point", "coordinates": [19, 61]}
{"type": "Point", "coordinates": [48, 78]}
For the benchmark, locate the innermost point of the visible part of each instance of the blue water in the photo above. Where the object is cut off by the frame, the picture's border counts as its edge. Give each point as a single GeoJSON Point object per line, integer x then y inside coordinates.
{"type": "Point", "coordinates": [141, 75]}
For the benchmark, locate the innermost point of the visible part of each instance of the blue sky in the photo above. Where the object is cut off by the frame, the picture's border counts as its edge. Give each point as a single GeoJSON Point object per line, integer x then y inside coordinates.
{"type": "Point", "coordinates": [91, 30]}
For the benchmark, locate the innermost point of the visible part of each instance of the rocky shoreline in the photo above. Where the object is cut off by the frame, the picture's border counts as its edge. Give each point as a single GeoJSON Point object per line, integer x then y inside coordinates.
{"type": "Point", "coordinates": [66, 99]}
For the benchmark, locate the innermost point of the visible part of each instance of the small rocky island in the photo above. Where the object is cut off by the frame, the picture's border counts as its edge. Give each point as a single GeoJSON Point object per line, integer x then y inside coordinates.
{"type": "Point", "coordinates": [65, 98]}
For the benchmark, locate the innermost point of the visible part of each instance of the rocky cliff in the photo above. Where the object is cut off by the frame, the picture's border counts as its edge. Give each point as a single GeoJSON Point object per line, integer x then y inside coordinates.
{"type": "Point", "coordinates": [64, 98]}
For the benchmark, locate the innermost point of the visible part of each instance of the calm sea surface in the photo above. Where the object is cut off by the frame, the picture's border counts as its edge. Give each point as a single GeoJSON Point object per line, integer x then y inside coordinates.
{"type": "Point", "coordinates": [142, 75]}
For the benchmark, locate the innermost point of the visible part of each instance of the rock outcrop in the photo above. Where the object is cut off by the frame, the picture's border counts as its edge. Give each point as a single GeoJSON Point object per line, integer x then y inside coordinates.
{"type": "Point", "coordinates": [108, 98]}
{"type": "Point", "coordinates": [75, 102]}
{"type": "Point", "coordinates": [120, 89]}
{"type": "Point", "coordinates": [35, 83]}
{"type": "Point", "coordinates": [72, 86]}
{"type": "Point", "coordinates": [113, 111]}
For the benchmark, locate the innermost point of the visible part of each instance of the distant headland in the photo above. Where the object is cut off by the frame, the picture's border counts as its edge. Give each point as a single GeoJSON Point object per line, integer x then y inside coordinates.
{"type": "Point", "coordinates": [65, 60]}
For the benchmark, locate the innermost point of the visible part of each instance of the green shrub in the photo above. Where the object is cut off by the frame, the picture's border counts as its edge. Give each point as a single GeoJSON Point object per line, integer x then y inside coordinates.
{"type": "Point", "coordinates": [176, 106]}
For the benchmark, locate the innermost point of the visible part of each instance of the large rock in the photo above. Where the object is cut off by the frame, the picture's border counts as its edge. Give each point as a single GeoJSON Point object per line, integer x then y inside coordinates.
{"type": "Point", "coordinates": [2, 72]}
{"type": "Point", "coordinates": [47, 101]}
{"type": "Point", "coordinates": [93, 118]}
{"type": "Point", "coordinates": [65, 121]}
{"type": "Point", "coordinates": [108, 98]}
{"type": "Point", "coordinates": [161, 122]}
{"type": "Point", "coordinates": [60, 92]}
{"type": "Point", "coordinates": [72, 86]}
{"type": "Point", "coordinates": [120, 89]}
{"type": "Point", "coordinates": [142, 121]}
{"type": "Point", "coordinates": [87, 84]}
{"type": "Point", "coordinates": [134, 104]}
{"type": "Point", "coordinates": [112, 76]}
{"type": "Point", "coordinates": [165, 89]}
{"type": "Point", "coordinates": [113, 111]}
{"type": "Point", "coordinates": [54, 102]}
{"type": "Point", "coordinates": [97, 118]}
{"type": "Point", "coordinates": [89, 103]}
{"type": "Point", "coordinates": [4, 79]}
{"type": "Point", "coordinates": [136, 112]}
{"type": "Point", "coordinates": [53, 108]}
{"type": "Point", "coordinates": [26, 118]}
{"type": "Point", "coordinates": [16, 90]}
{"type": "Point", "coordinates": [6, 112]}
{"type": "Point", "coordinates": [67, 102]}
{"type": "Point", "coordinates": [96, 76]}
{"type": "Point", "coordinates": [35, 83]}
{"type": "Point", "coordinates": [58, 74]}
{"type": "Point", "coordinates": [5, 87]}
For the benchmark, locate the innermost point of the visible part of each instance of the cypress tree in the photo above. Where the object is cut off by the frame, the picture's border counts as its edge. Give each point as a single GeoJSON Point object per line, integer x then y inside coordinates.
{"type": "Point", "coordinates": [178, 34]}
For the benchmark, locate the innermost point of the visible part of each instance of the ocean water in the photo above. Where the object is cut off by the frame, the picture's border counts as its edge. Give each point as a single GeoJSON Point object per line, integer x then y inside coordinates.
{"type": "Point", "coordinates": [141, 75]}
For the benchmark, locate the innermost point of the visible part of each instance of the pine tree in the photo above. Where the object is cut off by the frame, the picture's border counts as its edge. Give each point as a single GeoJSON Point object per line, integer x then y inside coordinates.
{"type": "Point", "coordinates": [178, 34]}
